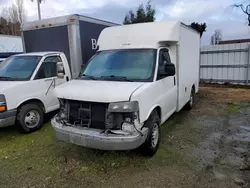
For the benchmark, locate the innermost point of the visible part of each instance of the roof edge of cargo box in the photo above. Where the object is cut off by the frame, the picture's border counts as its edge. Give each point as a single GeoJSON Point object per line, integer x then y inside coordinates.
{"type": "Point", "coordinates": [189, 27]}
{"type": "Point", "coordinates": [62, 20]}
{"type": "Point", "coordinates": [142, 35]}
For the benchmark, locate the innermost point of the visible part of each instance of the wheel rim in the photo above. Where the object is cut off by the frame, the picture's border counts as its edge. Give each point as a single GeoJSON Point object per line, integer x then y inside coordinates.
{"type": "Point", "coordinates": [32, 119]}
{"type": "Point", "coordinates": [155, 135]}
{"type": "Point", "coordinates": [191, 101]}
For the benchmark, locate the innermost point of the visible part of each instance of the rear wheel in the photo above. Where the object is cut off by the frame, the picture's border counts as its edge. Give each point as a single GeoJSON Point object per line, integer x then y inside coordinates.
{"type": "Point", "coordinates": [151, 145]}
{"type": "Point", "coordinates": [30, 118]}
{"type": "Point", "coordinates": [191, 101]}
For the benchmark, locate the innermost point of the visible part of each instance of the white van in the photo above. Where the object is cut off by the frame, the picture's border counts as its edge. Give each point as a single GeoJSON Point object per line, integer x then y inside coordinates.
{"type": "Point", "coordinates": [26, 88]}
{"type": "Point", "coordinates": [140, 76]}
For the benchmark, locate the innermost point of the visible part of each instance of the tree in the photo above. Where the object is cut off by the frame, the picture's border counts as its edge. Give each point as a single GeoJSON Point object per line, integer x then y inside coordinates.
{"type": "Point", "coordinates": [12, 18]}
{"type": "Point", "coordinates": [201, 28]}
{"type": "Point", "coordinates": [5, 27]}
{"type": "Point", "coordinates": [245, 9]}
{"type": "Point", "coordinates": [216, 37]}
{"type": "Point", "coordinates": [20, 10]}
{"type": "Point", "coordinates": [143, 14]}
{"type": "Point", "coordinates": [38, 7]}
{"type": "Point", "coordinates": [13, 14]}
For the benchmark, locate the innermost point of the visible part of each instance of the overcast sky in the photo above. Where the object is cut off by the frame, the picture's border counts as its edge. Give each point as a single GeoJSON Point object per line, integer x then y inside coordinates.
{"type": "Point", "coordinates": [218, 14]}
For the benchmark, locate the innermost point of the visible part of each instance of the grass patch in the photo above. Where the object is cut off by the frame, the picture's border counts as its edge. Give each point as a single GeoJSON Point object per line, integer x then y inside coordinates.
{"type": "Point", "coordinates": [38, 159]}
{"type": "Point", "coordinates": [233, 107]}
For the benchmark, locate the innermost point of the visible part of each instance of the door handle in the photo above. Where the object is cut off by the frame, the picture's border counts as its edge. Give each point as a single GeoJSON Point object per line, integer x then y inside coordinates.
{"type": "Point", "coordinates": [174, 81]}
{"type": "Point", "coordinates": [48, 80]}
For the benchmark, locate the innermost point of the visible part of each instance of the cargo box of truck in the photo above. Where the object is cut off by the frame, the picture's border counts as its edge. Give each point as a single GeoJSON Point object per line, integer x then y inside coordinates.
{"type": "Point", "coordinates": [130, 87]}
{"type": "Point", "coordinates": [74, 35]}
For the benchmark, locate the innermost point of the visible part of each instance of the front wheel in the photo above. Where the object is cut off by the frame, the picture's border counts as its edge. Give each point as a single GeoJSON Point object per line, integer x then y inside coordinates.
{"type": "Point", "coordinates": [30, 118]}
{"type": "Point", "coordinates": [151, 145]}
{"type": "Point", "coordinates": [190, 103]}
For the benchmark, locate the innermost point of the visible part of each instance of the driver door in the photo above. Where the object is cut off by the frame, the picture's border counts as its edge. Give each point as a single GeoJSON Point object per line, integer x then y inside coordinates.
{"type": "Point", "coordinates": [47, 78]}
{"type": "Point", "coordinates": [168, 84]}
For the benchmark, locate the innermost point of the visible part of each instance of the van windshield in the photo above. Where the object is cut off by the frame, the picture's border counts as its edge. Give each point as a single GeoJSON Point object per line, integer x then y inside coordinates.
{"type": "Point", "coordinates": [18, 68]}
{"type": "Point", "coordinates": [122, 65]}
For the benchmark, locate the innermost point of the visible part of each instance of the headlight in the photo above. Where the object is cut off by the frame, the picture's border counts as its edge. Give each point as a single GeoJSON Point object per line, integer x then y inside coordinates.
{"type": "Point", "coordinates": [63, 108]}
{"type": "Point", "coordinates": [2, 103]}
{"type": "Point", "coordinates": [130, 106]}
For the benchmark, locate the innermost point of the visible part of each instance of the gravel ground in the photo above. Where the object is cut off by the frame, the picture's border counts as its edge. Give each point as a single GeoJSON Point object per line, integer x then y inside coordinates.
{"type": "Point", "coordinates": [206, 147]}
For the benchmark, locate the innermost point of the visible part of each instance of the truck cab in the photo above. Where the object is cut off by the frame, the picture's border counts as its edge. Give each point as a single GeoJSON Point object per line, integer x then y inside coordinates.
{"type": "Point", "coordinates": [130, 87]}
{"type": "Point", "coordinates": [27, 82]}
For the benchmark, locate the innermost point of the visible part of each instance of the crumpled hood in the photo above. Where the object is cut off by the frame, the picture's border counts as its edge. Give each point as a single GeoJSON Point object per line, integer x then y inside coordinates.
{"type": "Point", "coordinates": [97, 91]}
{"type": "Point", "coordinates": [4, 85]}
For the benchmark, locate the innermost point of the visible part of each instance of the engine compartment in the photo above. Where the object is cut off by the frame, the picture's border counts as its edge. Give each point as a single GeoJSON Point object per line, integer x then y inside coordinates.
{"type": "Point", "coordinates": [93, 115]}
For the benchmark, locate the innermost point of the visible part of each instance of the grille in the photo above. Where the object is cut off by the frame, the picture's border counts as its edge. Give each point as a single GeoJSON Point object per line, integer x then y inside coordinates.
{"type": "Point", "coordinates": [87, 114]}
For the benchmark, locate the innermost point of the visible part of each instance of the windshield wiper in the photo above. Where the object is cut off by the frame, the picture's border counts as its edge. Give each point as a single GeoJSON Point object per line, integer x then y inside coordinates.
{"type": "Point", "coordinates": [6, 78]}
{"type": "Point", "coordinates": [118, 78]}
{"type": "Point", "coordinates": [90, 77]}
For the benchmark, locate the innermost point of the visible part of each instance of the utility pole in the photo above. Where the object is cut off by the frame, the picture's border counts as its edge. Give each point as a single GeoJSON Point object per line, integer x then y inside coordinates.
{"type": "Point", "coordinates": [38, 8]}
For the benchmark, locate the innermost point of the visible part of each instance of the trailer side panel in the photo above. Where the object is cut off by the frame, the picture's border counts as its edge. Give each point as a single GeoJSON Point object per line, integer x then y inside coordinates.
{"type": "Point", "coordinates": [188, 65]}
{"type": "Point", "coordinates": [89, 33]}
{"type": "Point", "coordinates": [47, 39]}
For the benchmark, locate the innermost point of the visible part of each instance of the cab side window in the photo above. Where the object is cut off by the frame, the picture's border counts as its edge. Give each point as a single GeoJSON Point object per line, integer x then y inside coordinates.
{"type": "Point", "coordinates": [164, 58]}
{"type": "Point", "coordinates": [48, 67]}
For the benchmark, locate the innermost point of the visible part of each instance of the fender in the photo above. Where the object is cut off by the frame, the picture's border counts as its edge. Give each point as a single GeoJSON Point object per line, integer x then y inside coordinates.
{"type": "Point", "coordinates": [152, 109]}
{"type": "Point", "coordinates": [30, 99]}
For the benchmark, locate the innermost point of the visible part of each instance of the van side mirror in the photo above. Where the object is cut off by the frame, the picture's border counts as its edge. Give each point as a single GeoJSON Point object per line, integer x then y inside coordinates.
{"type": "Point", "coordinates": [60, 70]}
{"type": "Point", "coordinates": [169, 70]}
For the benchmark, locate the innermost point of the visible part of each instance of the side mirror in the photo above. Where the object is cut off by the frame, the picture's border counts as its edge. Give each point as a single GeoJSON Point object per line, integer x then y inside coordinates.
{"type": "Point", "coordinates": [60, 70]}
{"type": "Point", "coordinates": [169, 70]}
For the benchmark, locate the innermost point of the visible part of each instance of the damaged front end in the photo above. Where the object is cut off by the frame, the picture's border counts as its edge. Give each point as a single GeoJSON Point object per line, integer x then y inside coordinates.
{"type": "Point", "coordinates": [105, 126]}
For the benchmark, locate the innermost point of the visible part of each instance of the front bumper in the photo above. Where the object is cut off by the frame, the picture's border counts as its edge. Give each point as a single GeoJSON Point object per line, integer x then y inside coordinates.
{"type": "Point", "coordinates": [7, 118]}
{"type": "Point", "coordinates": [94, 138]}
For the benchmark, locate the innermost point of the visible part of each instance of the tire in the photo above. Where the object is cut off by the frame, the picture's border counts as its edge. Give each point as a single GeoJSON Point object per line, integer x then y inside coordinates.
{"type": "Point", "coordinates": [30, 118]}
{"type": "Point", "coordinates": [191, 101]}
{"type": "Point", "coordinates": [150, 146]}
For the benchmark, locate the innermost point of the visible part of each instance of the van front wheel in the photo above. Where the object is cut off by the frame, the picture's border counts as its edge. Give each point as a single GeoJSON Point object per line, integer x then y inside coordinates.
{"type": "Point", "coordinates": [151, 145]}
{"type": "Point", "coordinates": [30, 118]}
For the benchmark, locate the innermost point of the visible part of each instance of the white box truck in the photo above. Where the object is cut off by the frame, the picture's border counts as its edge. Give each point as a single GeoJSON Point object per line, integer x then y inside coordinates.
{"type": "Point", "coordinates": [27, 80]}
{"type": "Point", "coordinates": [140, 76]}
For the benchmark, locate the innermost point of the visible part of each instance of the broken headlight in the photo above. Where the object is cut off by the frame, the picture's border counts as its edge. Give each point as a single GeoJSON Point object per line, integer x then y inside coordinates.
{"type": "Point", "coordinates": [63, 109]}
{"type": "Point", "coordinates": [124, 115]}
{"type": "Point", "coordinates": [126, 107]}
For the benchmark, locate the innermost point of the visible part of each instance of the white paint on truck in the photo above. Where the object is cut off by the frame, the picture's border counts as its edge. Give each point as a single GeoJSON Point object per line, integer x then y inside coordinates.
{"type": "Point", "coordinates": [131, 86]}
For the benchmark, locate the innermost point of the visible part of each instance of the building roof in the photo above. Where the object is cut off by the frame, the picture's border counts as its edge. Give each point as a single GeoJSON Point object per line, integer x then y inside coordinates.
{"type": "Point", "coordinates": [234, 41]}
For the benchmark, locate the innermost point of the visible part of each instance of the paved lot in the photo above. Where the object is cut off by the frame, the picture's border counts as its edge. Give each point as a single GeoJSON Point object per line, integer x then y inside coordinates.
{"type": "Point", "coordinates": [207, 147]}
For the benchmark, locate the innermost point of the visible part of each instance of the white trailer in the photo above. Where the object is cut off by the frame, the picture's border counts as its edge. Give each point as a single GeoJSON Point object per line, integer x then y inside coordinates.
{"type": "Point", "coordinates": [10, 45]}
{"type": "Point", "coordinates": [141, 75]}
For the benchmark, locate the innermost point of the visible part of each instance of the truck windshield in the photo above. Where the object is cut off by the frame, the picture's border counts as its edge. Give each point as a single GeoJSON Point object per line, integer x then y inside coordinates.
{"type": "Point", "coordinates": [18, 68]}
{"type": "Point", "coordinates": [122, 65]}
